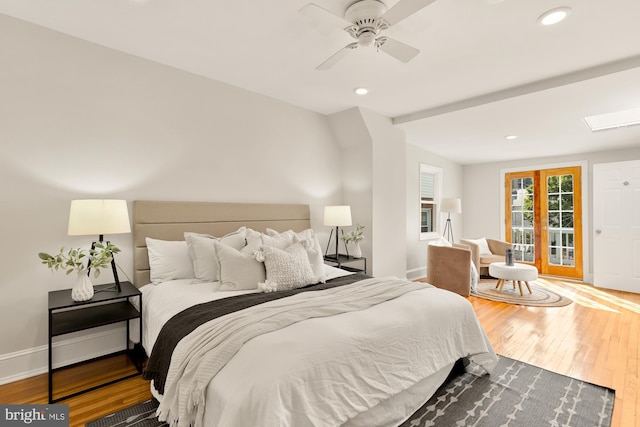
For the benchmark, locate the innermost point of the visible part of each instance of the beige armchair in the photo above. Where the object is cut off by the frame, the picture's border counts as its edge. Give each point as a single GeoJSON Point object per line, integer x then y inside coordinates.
{"type": "Point", "coordinates": [449, 267]}
{"type": "Point", "coordinates": [482, 257]}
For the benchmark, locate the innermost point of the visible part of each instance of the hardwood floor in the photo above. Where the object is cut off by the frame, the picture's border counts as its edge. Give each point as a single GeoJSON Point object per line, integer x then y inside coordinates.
{"type": "Point", "coordinates": [594, 339]}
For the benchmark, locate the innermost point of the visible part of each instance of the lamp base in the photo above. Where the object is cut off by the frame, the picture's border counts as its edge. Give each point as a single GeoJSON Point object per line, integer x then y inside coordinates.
{"type": "Point", "coordinates": [448, 230]}
{"type": "Point", "coordinates": [326, 252]}
{"type": "Point", "coordinates": [116, 286]}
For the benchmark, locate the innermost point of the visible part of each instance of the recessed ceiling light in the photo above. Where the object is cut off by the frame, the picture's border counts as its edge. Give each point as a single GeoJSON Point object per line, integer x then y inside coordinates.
{"type": "Point", "coordinates": [613, 120]}
{"type": "Point", "coordinates": [511, 137]}
{"type": "Point", "coordinates": [361, 90]}
{"type": "Point", "coordinates": [554, 16]}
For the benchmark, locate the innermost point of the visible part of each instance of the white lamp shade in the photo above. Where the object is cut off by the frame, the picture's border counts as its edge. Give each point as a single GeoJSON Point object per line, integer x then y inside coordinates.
{"type": "Point", "coordinates": [451, 205]}
{"type": "Point", "coordinates": [98, 216]}
{"type": "Point", "coordinates": [337, 216]}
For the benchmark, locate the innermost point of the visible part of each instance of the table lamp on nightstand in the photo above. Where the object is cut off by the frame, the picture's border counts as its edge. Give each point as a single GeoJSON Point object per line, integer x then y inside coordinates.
{"type": "Point", "coordinates": [337, 216]}
{"type": "Point", "coordinates": [99, 217]}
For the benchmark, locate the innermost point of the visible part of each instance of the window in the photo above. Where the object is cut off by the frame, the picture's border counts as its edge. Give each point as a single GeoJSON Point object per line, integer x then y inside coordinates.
{"type": "Point", "coordinates": [430, 185]}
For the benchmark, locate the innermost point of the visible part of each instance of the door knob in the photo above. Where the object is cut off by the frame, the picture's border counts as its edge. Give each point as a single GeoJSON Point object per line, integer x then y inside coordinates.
{"type": "Point", "coordinates": [598, 231]}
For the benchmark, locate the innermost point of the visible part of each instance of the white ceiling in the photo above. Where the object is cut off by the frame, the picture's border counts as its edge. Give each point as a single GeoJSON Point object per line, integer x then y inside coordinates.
{"type": "Point", "coordinates": [486, 68]}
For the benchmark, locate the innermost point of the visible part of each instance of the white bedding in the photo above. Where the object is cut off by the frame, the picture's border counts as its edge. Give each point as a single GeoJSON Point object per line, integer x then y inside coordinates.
{"type": "Point", "coordinates": [354, 362]}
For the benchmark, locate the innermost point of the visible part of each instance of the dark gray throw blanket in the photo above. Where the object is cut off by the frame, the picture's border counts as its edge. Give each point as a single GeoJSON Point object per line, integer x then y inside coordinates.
{"type": "Point", "coordinates": [185, 322]}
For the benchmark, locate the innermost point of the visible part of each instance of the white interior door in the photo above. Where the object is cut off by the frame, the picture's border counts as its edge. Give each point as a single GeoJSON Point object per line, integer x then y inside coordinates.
{"type": "Point", "coordinates": [616, 225]}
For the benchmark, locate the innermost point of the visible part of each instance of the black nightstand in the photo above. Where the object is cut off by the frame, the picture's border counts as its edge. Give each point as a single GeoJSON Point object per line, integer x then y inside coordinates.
{"type": "Point", "coordinates": [105, 308]}
{"type": "Point", "coordinates": [340, 261]}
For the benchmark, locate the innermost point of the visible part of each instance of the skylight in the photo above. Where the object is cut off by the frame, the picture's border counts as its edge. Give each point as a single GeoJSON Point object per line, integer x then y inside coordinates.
{"type": "Point", "coordinates": [613, 120]}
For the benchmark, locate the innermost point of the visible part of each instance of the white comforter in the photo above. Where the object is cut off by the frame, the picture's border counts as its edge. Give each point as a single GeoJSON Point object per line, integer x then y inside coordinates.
{"type": "Point", "coordinates": [325, 371]}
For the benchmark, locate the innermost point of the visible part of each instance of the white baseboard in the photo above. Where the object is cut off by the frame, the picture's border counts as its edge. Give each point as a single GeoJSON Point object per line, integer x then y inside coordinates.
{"type": "Point", "coordinates": [79, 347]}
{"type": "Point", "coordinates": [417, 273]}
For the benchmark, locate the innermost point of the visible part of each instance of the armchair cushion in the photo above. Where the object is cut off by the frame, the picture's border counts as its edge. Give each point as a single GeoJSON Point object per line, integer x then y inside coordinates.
{"type": "Point", "coordinates": [497, 250]}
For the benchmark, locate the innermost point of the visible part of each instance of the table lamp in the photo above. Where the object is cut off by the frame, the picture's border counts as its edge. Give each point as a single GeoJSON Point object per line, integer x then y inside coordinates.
{"type": "Point", "coordinates": [337, 216]}
{"type": "Point", "coordinates": [99, 217]}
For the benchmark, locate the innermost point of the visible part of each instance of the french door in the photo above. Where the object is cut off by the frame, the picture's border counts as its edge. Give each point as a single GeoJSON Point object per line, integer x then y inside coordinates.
{"type": "Point", "coordinates": [543, 211]}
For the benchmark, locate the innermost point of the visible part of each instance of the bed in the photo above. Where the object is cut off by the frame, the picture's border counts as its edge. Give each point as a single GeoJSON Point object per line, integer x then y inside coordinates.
{"type": "Point", "coordinates": [351, 351]}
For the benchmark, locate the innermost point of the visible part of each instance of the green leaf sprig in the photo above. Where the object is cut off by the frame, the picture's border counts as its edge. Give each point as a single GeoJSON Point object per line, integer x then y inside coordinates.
{"type": "Point", "coordinates": [78, 259]}
{"type": "Point", "coordinates": [354, 236]}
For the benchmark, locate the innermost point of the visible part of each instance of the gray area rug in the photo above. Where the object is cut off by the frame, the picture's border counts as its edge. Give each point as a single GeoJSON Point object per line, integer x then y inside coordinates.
{"type": "Point", "coordinates": [540, 296]}
{"type": "Point", "coordinates": [516, 394]}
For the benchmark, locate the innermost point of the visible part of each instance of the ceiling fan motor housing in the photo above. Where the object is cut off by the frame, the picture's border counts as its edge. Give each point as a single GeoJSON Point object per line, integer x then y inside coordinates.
{"type": "Point", "coordinates": [365, 16]}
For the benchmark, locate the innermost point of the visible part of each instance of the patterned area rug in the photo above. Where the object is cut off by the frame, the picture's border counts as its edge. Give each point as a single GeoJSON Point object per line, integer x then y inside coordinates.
{"type": "Point", "coordinates": [539, 296]}
{"type": "Point", "coordinates": [516, 394]}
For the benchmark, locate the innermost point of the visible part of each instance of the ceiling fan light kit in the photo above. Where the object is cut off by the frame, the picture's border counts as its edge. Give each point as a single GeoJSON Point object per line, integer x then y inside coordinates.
{"type": "Point", "coordinates": [366, 20]}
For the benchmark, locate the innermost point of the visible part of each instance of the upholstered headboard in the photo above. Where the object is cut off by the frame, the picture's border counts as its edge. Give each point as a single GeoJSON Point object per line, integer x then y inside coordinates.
{"type": "Point", "coordinates": [169, 220]}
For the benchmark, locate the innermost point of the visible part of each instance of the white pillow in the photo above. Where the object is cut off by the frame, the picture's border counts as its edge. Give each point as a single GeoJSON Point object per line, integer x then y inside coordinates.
{"type": "Point", "coordinates": [278, 240]}
{"type": "Point", "coordinates": [254, 242]}
{"type": "Point", "coordinates": [483, 246]}
{"type": "Point", "coordinates": [203, 254]}
{"type": "Point", "coordinates": [285, 269]}
{"type": "Point", "coordinates": [237, 270]}
{"type": "Point", "coordinates": [441, 241]}
{"type": "Point", "coordinates": [168, 260]}
{"type": "Point", "coordinates": [311, 244]}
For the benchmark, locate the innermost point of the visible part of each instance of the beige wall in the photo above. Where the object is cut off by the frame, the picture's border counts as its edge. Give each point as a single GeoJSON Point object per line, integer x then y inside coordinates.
{"type": "Point", "coordinates": [82, 121]}
{"type": "Point", "coordinates": [373, 162]}
{"type": "Point", "coordinates": [451, 187]}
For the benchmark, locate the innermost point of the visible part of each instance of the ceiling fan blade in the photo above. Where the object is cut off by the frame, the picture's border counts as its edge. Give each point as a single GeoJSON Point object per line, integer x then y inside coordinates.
{"type": "Point", "coordinates": [322, 18]}
{"type": "Point", "coordinates": [333, 60]}
{"type": "Point", "coordinates": [401, 51]}
{"type": "Point", "coordinates": [404, 9]}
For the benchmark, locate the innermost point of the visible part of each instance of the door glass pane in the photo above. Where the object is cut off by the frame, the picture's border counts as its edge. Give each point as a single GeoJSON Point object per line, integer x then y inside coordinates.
{"type": "Point", "coordinates": [561, 219]}
{"type": "Point", "coordinates": [528, 254]}
{"type": "Point", "coordinates": [516, 219]}
{"type": "Point", "coordinates": [522, 219]}
{"type": "Point", "coordinates": [567, 257]}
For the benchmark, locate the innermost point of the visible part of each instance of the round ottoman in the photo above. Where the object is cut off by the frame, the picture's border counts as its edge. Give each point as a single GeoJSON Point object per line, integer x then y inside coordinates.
{"type": "Point", "coordinates": [518, 273]}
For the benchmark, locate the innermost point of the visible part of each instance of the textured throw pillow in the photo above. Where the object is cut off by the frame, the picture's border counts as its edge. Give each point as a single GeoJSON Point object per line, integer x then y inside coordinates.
{"type": "Point", "coordinates": [285, 269]}
{"type": "Point", "coordinates": [203, 254]}
{"type": "Point", "coordinates": [314, 253]}
{"type": "Point", "coordinates": [168, 260]}
{"type": "Point", "coordinates": [238, 270]}
{"type": "Point", "coordinates": [311, 244]}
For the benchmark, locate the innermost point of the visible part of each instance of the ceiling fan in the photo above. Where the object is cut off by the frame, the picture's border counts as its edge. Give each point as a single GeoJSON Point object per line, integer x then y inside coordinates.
{"type": "Point", "coordinates": [365, 20]}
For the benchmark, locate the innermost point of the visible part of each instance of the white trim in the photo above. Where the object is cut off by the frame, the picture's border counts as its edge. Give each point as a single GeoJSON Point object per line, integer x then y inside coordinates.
{"type": "Point", "coordinates": [437, 172]}
{"type": "Point", "coordinates": [30, 362]}
{"type": "Point", "coordinates": [587, 274]}
{"type": "Point", "coordinates": [417, 273]}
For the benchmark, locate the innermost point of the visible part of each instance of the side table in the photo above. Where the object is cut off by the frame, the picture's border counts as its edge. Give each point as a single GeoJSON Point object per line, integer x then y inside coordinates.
{"type": "Point", "coordinates": [340, 260]}
{"type": "Point", "coordinates": [105, 308]}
